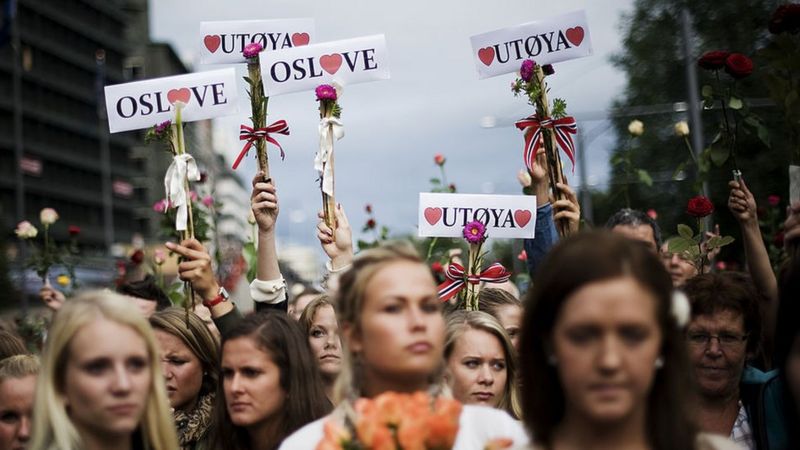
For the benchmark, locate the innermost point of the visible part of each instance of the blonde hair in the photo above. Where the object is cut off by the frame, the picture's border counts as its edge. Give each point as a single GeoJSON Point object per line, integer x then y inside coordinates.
{"type": "Point", "coordinates": [195, 335]}
{"type": "Point", "coordinates": [459, 322]}
{"type": "Point", "coordinates": [349, 301]}
{"type": "Point", "coordinates": [307, 317]}
{"type": "Point", "coordinates": [52, 427]}
{"type": "Point", "coordinates": [18, 366]}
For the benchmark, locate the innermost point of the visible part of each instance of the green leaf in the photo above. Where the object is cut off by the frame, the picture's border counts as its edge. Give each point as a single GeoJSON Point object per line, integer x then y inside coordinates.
{"type": "Point", "coordinates": [436, 181]}
{"type": "Point", "coordinates": [679, 244]}
{"type": "Point", "coordinates": [685, 231]}
{"type": "Point", "coordinates": [707, 91]}
{"type": "Point", "coordinates": [617, 159]}
{"type": "Point", "coordinates": [763, 136]}
{"type": "Point", "coordinates": [725, 240]}
{"type": "Point", "coordinates": [719, 154]}
{"type": "Point", "coordinates": [645, 178]}
{"type": "Point", "coordinates": [735, 103]}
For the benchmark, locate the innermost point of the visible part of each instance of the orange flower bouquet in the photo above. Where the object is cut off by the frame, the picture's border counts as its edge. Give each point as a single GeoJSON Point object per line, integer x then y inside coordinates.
{"type": "Point", "coordinates": [395, 421]}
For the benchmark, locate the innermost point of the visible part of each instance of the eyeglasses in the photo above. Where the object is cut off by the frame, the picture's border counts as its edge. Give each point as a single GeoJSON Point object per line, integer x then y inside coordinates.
{"type": "Point", "coordinates": [726, 340]}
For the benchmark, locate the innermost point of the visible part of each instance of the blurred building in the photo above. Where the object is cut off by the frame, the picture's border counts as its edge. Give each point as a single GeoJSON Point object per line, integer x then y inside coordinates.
{"type": "Point", "coordinates": [55, 149]}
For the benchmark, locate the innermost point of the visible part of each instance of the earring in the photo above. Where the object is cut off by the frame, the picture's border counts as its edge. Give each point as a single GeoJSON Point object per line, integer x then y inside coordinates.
{"type": "Point", "coordinates": [659, 362]}
{"type": "Point", "coordinates": [552, 360]}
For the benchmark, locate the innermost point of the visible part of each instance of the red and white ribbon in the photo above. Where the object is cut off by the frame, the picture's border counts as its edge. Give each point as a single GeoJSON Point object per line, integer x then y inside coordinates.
{"type": "Point", "coordinates": [457, 279]}
{"type": "Point", "coordinates": [562, 128]}
{"type": "Point", "coordinates": [251, 135]}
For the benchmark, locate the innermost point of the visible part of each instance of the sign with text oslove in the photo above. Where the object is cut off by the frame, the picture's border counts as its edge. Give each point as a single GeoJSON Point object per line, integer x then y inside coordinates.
{"type": "Point", "coordinates": [546, 42]}
{"type": "Point", "coordinates": [222, 42]}
{"type": "Point", "coordinates": [142, 104]}
{"type": "Point", "coordinates": [505, 216]}
{"type": "Point", "coordinates": [345, 62]}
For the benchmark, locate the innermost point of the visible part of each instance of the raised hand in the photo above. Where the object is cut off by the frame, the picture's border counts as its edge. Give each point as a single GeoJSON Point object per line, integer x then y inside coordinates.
{"type": "Point", "coordinates": [337, 244]}
{"type": "Point", "coordinates": [264, 202]}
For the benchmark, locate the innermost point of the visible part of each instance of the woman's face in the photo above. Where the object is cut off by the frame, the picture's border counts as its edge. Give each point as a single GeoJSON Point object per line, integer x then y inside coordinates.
{"type": "Point", "coordinates": [16, 411]}
{"type": "Point", "coordinates": [323, 336]}
{"type": "Point", "coordinates": [401, 338]}
{"type": "Point", "coordinates": [476, 369]}
{"type": "Point", "coordinates": [107, 379]}
{"type": "Point", "coordinates": [251, 381]}
{"type": "Point", "coordinates": [606, 341]}
{"type": "Point", "coordinates": [183, 371]}
{"type": "Point", "coordinates": [510, 317]}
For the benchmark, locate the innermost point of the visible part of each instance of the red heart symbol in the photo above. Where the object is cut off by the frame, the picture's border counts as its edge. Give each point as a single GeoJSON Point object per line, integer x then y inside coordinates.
{"type": "Point", "coordinates": [522, 217]}
{"type": "Point", "coordinates": [331, 63]}
{"type": "Point", "coordinates": [432, 215]}
{"type": "Point", "coordinates": [299, 39]}
{"type": "Point", "coordinates": [212, 42]}
{"type": "Point", "coordinates": [182, 94]}
{"type": "Point", "coordinates": [575, 35]}
{"type": "Point", "coordinates": [486, 55]}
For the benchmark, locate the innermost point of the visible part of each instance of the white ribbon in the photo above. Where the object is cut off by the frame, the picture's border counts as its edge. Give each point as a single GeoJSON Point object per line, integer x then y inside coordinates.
{"type": "Point", "coordinates": [182, 167]}
{"type": "Point", "coordinates": [329, 127]}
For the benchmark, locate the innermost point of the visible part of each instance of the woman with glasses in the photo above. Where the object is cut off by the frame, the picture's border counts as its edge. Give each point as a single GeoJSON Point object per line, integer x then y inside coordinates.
{"type": "Point", "coordinates": [733, 397]}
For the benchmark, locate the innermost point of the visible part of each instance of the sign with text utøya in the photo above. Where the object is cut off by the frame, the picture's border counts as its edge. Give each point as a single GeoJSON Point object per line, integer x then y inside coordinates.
{"type": "Point", "coordinates": [142, 104]}
{"type": "Point", "coordinates": [345, 62]}
{"type": "Point", "coordinates": [546, 41]}
{"type": "Point", "coordinates": [505, 216]}
{"type": "Point", "coordinates": [222, 42]}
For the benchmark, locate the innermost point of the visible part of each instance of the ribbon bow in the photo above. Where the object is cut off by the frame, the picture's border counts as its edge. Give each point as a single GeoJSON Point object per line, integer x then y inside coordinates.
{"type": "Point", "coordinates": [329, 127]}
{"type": "Point", "coordinates": [251, 135]}
{"type": "Point", "coordinates": [183, 167]}
{"type": "Point", "coordinates": [457, 279]}
{"type": "Point", "coordinates": [562, 127]}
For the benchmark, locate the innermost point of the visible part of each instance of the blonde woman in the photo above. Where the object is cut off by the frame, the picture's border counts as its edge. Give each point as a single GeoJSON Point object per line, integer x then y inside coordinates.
{"type": "Point", "coordinates": [100, 385]}
{"type": "Point", "coordinates": [322, 330]}
{"type": "Point", "coordinates": [481, 362]}
{"type": "Point", "coordinates": [393, 336]}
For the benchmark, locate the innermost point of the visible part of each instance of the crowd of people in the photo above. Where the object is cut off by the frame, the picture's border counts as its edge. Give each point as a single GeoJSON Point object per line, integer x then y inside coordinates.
{"type": "Point", "coordinates": [617, 344]}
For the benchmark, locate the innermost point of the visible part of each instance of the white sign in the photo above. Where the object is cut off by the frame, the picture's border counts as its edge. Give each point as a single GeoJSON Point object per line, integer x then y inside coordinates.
{"type": "Point", "coordinates": [505, 216]}
{"type": "Point", "coordinates": [223, 42]}
{"type": "Point", "coordinates": [546, 41]}
{"type": "Point", "coordinates": [142, 104]}
{"type": "Point", "coordinates": [345, 62]}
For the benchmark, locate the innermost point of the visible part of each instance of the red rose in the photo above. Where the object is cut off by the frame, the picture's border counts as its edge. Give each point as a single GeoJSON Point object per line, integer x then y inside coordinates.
{"type": "Point", "coordinates": [137, 257]}
{"type": "Point", "coordinates": [437, 267]}
{"type": "Point", "coordinates": [699, 207]}
{"type": "Point", "coordinates": [778, 239]}
{"type": "Point", "coordinates": [738, 66]}
{"type": "Point", "coordinates": [452, 187]}
{"type": "Point", "coordinates": [785, 19]}
{"type": "Point", "coordinates": [713, 60]}
{"type": "Point", "coordinates": [370, 224]}
{"type": "Point", "coordinates": [438, 159]}
{"type": "Point", "coordinates": [773, 200]}
{"type": "Point", "coordinates": [74, 230]}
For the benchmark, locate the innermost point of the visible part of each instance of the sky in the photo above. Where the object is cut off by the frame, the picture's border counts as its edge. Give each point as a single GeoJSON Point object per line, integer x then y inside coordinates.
{"type": "Point", "coordinates": [433, 103]}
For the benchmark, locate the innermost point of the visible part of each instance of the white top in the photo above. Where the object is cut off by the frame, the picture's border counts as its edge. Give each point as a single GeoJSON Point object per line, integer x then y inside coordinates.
{"type": "Point", "coordinates": [476, 426]}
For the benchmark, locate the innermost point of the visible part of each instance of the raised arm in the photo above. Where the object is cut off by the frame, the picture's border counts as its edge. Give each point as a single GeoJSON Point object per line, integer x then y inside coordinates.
{"type": "Point", "coordinates": [743, 206]}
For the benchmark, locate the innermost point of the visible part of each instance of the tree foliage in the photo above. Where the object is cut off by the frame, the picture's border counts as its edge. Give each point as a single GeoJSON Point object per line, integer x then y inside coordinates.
{"type": "Point", "coordinates": [653, 61]}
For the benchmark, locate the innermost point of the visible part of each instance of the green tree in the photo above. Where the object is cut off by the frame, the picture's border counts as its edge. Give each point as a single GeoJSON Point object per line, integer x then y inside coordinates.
{"type": "Point", "coordinates": [653, 61]}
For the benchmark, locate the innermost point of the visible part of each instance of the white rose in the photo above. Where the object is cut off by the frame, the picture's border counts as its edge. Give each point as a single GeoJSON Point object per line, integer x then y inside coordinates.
{"type": "Point", "coordinates": [682, 128]}
{"type": "Point", "coordinates": [48, 216]}
{"type": "Point", "coordinates": [26, 230]}
{"type": "Point", "coordinates": [636, 128]}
